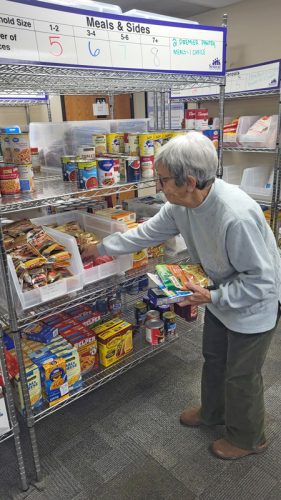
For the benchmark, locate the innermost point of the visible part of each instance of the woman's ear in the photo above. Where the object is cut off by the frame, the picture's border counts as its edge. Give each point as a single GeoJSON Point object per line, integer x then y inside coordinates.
{"type": "Point", "coordinates": [191, 183]}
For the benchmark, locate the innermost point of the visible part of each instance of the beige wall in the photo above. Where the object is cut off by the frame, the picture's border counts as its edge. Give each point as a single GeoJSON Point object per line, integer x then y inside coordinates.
{"type": "Point", "coordinates": [253, 30]}
{"type": "Point", "coordinates": [17, 115]}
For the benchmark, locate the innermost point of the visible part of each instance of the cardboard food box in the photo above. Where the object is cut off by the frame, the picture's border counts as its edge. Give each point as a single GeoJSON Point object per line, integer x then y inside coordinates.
{"type": "Point", "coordinates": [34, 388]}
{"type": "Point", "coordinates": [115, 343]}
{"type": "Point", "coordinates": [85, 341]}
{"type": "Point", "coordinates": [40, 332]}
{"type": "Point", "coordinates": [54, 378]}
{"type": "Point", "coordinates": [73, 367]}
{"type": "Point", "coordinates": [108, 324]}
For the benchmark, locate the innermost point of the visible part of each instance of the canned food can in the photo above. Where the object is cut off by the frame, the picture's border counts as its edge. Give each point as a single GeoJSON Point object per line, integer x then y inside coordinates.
{"type": "Point", "coordinates": [9, 180]}
{"type": "Point", "coordinates": [153, 314]}
{"type": "Point", "coordinates": [133, 169]}
{"type": "Point", "coordinates": [69, 168]}
{"type": "Point", "coordinates": [163, 309]}
{"type": "Point", "coordinates": [21, 152]}
{"type": "Point", "coordinates": [166, 137]}
{"type": "Point", "coordinates": [170, 325]}
{"type": "Point", "coordinates": [158, 142]}
{"type": "Point", "coordinates": [126, 143]}
{"type": "Point", "coordinates": [115, 143]}
{"type": "Point", "coordinates": [116, 169]}
{"type": "Point", "coordinates": [105, 169]}
{"type": "Point", "coordinates": [26, 178]}
{"type": "Point", "coordinates": [154, 332]}
{"type": "Point", "coordinates": [134, 145]}
{"type": "Point", "coordinates": [87, 153]}
{"type": "Point", "coordinates": [122, 169]}
{"type": "Point", "coordinates": [99, 141]}
{"type": "Point", "coordinates": [146, 144]}
{"type": "Point", "coordinates": [147, 166]}
{"type": "Point", "coordinates": [140, 312]}
{"type": "Point", "coordinates": [87, 177]}
{"type": "Point", "coordinates": [6, 148]}
{"type": "Point", "coordinates": [102, 306]}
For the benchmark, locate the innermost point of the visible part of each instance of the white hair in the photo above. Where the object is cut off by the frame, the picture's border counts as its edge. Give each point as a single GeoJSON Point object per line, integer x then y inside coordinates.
{"type": "Point", "coordinates": [189, 154]}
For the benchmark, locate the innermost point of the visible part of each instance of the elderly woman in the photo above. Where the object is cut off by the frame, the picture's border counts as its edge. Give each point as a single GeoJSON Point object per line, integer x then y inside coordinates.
{"type": "Point", "coordinates": [225, 231]}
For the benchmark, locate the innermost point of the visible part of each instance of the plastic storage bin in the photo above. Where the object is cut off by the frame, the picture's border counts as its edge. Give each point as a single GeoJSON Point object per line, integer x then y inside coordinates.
{"type": "Point", "coordinates": [257, 182]}
{"type": "Point", "coordinates": [25, 300]}
{"type": "Point", "coordinates": [102, 228]}
{"type": "Point", "coordinates": [136, 125]}
{"type": "Point", "coordinates": [232, 174]}
{"type": "Point", "coordinates": [267, 140]}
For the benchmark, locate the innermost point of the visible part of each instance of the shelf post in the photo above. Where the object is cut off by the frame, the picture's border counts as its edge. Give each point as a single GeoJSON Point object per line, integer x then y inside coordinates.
{"type": "Point", "coordinates": [163, 109]}
{"type": "Point", "coordinates": [221, 117]}
{"type": "Point", "coordinates": [49, 110]}
{"type": "Point", "coordinates": [12, 415]}
{"type": "Point", "coordinates": [169, 111]}
{"type": "Point", "coordinates": [155, 106]}
{"type": "Point", "coordinates": [16, 338]}
{"type": "Point", "coordinates": [276, 177]}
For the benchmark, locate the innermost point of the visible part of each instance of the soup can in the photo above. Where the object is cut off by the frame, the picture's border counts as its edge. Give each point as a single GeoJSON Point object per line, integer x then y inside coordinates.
{"type": "Point", "coordinates": [147, 166]}
{"type": "Point", "coordinates": [140, 312]}
{"type": "Point", "coordinates": [69, 168]}
{"type": "Point", "coordinates": [9, 180]}
{"type": "Point", "coordinates": [154, 332]}
{"type": "Point", "coordinates": [126, 143]}
{"type": "Point", "coordinates": [158, 142]}
{"type": "Point", "coordinates": [87, 153]}
{"type": "Point", "coordinates": [134, 145]}
{"type": "Point", "coordinates": [116, 169]}
{"type": "Point", "coordinates": [163, 309]}
{"type": "Point", "coordinates": [133, 169]}
{"type": "Point", "coordinates": [87, 177]}
{"type": "Point", "coordinates": [146, 144]}
{"type": "Point", "coordinates": [153, 314]}
{"type": "Point", "coordinates": [26, 178]}
{"type": "Point", "coordinates": [170, 325]}
{"type": "Point", "coordinates": [105, 169]}
{"type": "Point", "coordinates": [99, 141]}
{"type": "Point", "coordinates": [115, 143]}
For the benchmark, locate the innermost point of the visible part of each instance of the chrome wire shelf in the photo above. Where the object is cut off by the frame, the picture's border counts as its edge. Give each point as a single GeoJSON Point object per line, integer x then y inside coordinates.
{"type": "Point", "coordinates": [14, 103]}
{"type": "Point", "coordinates": [51, 192]}
{"type": "Point", "coordinates": [6, 435]}
{"type": "Point", "coordinates": [230, 96]}
{"type": "Point", "coordinates": [19, 78]}
{"type": "Point", "coordinates": [240, 149]}
{"type": "Point", "coordinates": [89, 293]}
{"type": "Point", "coordinates": [142, 352]}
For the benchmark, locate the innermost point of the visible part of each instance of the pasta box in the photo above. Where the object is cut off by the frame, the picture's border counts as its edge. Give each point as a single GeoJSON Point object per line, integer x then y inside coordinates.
{"type": "Point", "coordinates": [115, 343]}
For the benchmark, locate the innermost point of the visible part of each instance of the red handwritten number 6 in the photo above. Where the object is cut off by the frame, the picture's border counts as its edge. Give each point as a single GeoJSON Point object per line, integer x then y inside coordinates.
{"type": "Point", "coordinates": [57, 45]}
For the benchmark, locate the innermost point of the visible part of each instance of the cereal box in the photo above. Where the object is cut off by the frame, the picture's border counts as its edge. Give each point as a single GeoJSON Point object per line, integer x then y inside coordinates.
{"type": "Point", "coordinates": [115, 343]}
{"type": "Point", "coordinates": [54, 377]}
{"type": "Point", "coordinates": [34, 388]}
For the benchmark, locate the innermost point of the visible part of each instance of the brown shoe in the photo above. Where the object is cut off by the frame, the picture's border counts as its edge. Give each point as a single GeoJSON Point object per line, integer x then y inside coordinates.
{"type": "Point", "coordinates": [191, 417]}
{"type": "Point", "coordinates": [227, 451]}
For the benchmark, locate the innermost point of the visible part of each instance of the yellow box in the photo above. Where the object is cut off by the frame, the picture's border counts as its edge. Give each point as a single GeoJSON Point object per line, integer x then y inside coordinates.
{"type": "Point", "coordinates": [107, 325]}
{"type": "Point", "coordinates": [115, 343]}
{"type": "Point", "coordinates": [73, 367]}
{"type": "Point", "coordinates": [140, 258]}
{"type": "Point", "coordinates": [55, 382]}
{"type": "Point", "coordinates": [34, 388]}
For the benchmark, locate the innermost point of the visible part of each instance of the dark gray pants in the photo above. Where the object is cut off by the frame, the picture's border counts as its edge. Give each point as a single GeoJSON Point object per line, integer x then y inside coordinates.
{"type": "Point", "coordinates": [232, 384]}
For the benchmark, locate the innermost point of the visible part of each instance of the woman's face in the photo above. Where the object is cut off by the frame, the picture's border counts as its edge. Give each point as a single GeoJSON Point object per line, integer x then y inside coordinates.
{"type": "Point", "coordinates": [175, 194]}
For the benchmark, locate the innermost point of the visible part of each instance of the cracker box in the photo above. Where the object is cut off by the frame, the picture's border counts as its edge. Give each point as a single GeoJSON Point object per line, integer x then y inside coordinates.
{"type": "Point", "coordinates": [54, 378]}
{"type": "Point", "coordinates": [34, 388]}
{"type": "Point", "coordinates": [54, 320]}
{"type": "Point", "coordinates": [78, 310]}
{"type": "Point", "coordinates": [115, 343]}
{"type": "Point", "coordinates": [66, 325]}
{"type": "Point", "coordinates": [108, 324]}
{"type": "Point", "coordinates": [40, 332]}
{"type": "Point", "coordinates": [73, 367]}
{"type": "Point", "coordinates": [86, 344]}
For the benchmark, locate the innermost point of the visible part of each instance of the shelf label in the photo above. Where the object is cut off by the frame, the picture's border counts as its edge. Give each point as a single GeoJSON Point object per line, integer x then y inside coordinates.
{"type": "Point", "coordinates": [54, 290]}
{"type": "Point", "coordinates": [59, 35]}
{"type": "Point", "coordinates": [249, 79]}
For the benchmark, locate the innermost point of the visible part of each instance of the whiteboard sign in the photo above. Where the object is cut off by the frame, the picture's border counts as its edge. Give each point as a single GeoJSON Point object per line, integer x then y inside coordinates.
{"type": "Point", "coordinates": [250, 79]}
{"type": "Point", "coordinates": [66, 36]}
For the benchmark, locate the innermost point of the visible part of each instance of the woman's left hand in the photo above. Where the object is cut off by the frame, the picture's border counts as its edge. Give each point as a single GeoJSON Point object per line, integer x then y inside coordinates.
{"type": "Point", "coordinates": [200, 296]}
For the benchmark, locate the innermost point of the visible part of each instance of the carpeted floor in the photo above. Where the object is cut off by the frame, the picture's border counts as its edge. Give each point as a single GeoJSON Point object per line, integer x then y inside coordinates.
{"type": "Point", "coordinates": [124, 441]}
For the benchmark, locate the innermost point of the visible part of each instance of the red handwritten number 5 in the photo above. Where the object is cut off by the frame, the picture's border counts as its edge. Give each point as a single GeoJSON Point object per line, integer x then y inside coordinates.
{"type": "Point", "coordinates": [57, 47]}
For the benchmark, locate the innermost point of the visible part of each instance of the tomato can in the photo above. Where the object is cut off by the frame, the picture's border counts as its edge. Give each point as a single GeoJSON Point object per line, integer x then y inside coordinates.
{"type": "Point", "coordinates": [170, 325]}
{"type": "Point", "coordinates": [146, 144]}
{"type": "Point", "coordinates": [87, 153]}
{"type": "Point", "coordinates": [105, 169]}
{"type": "Point", "coordinates": [9, 180]}
{"type": "Point", "coordinates": [69, 168]}
{"type": "Point", "coordinates": [154, 332]}
{"type": "Point", "coordinates": [26, 178]}
{"type": "Point", "coordinates": [133, 169]}
{"type": "Point", "coordinates": [99, 141]}
{"type": "Point", "coordinates": [152, 314]}
{"type": "Point", "coordinates": [147, 166]}
{"type": "Point", "coordinates": [115, 143]}
{"type": "Point", "coordinates": [116, 168]}
{"type": "Point", "coordinates": [126, 143]}
{"type": "Point", "coordinates": [87, 177]}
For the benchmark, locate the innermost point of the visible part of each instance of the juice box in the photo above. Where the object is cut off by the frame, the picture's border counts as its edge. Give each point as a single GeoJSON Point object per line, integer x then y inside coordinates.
{"type": "Point", "coordinates": [115, 343]}
{"type": "Point", "coordinates": [54, 378]}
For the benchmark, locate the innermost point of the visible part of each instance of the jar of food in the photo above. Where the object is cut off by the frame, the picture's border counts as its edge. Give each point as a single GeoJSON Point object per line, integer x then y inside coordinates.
{"type": "Point", "coordinates": [35, 160]}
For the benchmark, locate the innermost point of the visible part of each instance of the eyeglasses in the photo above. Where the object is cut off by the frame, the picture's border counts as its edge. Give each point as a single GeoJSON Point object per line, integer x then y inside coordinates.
{"type": "Point", "coordinates": [163, 180]}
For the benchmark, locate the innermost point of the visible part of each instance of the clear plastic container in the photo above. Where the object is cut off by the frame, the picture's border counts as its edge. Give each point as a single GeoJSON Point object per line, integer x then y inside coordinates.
{"type": "Point", "coordinates": [88, 5]}
{"type": "Point", "coordinates": [232, 174]}
{"type": "Point", "coordinates": [160, 17]}
{"type": "Point", "coordinates": [25, 300]}
{"type": "Point", "coordinates": [102, 228]}
{"type": "Point", "coordinates": [134, 125]}
{"type": "Point", "coordinates": [266, 140]}
{"type": "Point", "coordinates": [257, 182]}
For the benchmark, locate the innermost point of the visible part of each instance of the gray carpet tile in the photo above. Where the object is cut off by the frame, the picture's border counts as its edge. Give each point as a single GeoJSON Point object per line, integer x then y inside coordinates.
{"type": "Point", "coordinates": [124, 441]}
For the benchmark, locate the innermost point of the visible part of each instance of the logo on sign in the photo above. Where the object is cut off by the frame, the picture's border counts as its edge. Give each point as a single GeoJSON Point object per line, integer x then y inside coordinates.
{"type": "Point", "coordinates": [216, 64]}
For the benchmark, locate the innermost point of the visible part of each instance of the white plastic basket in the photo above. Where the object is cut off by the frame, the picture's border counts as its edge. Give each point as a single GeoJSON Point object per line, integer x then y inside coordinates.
{"type": "Point", "coordinates": [266, 140]}
{"type": "Point", "coordinates": [102, 228]}
{"type": "Point", "coordinates": [257, 182]}
{"type": "Point", "coordinates": [27, 299]}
